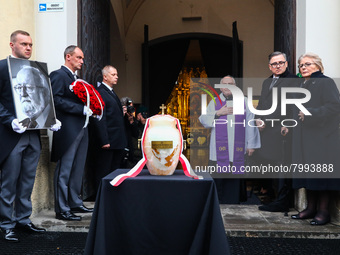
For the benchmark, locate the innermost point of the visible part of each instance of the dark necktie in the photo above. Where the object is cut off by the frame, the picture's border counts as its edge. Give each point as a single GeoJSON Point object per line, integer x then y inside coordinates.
{"type": "Point", "coordinates": [273, 82]}
{"type": "Point", "coordinates": [29, 123]}
{"type": "Point", "coordinates": [117, 99]}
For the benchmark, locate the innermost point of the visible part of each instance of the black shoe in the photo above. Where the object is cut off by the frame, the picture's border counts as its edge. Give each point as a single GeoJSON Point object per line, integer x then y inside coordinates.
{"type": "Point", "coordinates": [321, 218]}
{"type": "Point", "coordinates": [324, 221]}
{"type": "Point", "coordinates": [30, 227]}
{"type": "Point", "coordinates": [10, 235]}
{"type": "Point", "coordinates": [67, 216]}
{"type": "Point", "coordinates": [276, 206]}
{"type": "Point", "coordinates": [305, 214]}
{"type": "Point", "coordinates": [81, 209]}
{"type": "Point", "coordinates": [297, 217]}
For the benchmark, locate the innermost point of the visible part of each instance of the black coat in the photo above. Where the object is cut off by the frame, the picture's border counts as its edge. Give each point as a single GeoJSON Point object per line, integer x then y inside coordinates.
{"type": "Point", "coordinates": [8, 137]}
{"type": "Point", "coordinates": [316, 140]}
{"type": "Point", "coordinates": [69, 110]}
{"type": "Point", "coordinates": [271, 138]}
{"type": "Point", "coordinates": [110, 129]}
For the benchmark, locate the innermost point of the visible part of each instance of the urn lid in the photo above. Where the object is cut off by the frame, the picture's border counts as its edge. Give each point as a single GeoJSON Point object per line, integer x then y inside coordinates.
{"type": "Point", "coordinates": [162, 120]}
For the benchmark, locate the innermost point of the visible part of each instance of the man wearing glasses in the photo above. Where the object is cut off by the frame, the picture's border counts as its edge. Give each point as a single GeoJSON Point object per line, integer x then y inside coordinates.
{"type": "Point", "coordinates": [35, 98]}
{"type": "Point", "coordinates": [275, 145]}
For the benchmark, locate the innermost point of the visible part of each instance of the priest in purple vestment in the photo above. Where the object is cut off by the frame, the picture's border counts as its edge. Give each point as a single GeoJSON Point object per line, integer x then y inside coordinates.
{"type": "Point", "coordinates": [229, 142]}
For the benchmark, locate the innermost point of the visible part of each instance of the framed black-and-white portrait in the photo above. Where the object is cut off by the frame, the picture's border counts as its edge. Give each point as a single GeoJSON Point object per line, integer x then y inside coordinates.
{"type": "Point", "coordinates": [32, 93]}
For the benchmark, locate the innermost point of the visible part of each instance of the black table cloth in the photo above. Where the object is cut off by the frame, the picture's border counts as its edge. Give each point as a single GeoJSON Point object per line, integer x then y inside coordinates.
{"type": "Point", "coordinates": [157, 215]}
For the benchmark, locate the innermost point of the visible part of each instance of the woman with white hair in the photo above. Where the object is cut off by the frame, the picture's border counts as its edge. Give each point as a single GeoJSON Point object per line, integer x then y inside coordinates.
{"type": "Point", "coordinates": [316, 141]}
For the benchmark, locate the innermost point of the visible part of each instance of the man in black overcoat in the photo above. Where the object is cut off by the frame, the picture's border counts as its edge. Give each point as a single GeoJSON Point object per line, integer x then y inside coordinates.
{"type": "Point", "coordinates": [275, 146]}
{"type": "Point", "coordinates": [69, 147]}
{"type": "Point", "coordinates": [109, 133]}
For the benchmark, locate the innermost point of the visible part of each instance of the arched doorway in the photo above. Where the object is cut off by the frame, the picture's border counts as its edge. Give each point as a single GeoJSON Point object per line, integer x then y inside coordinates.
{"type": "Point", "coordinates": [163, 59]}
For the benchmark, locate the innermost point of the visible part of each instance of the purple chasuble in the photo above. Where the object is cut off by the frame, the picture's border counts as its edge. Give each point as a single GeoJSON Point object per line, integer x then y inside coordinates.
{"type": "Point", "coordinates": [222, 149]}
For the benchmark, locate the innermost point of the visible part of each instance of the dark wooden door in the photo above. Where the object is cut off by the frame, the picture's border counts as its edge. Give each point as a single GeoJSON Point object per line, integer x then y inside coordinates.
{"type": "Point", "coordinates": [94, 39]}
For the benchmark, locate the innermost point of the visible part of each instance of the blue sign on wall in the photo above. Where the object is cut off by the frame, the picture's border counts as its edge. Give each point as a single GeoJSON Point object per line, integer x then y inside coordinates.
{"type": "Point", "coordinates": [51, 7]}
{"type": "Point", "coordinates": [42, 7]}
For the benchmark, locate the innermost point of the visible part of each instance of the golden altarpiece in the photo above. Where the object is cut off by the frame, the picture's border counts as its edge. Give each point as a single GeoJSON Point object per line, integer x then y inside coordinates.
{"type": "Point", "coordinates": [184, 103]}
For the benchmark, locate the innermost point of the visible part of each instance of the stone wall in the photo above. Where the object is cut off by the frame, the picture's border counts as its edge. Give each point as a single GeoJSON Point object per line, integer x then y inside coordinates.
{"type": "Point", "coordinates": [42, 195]}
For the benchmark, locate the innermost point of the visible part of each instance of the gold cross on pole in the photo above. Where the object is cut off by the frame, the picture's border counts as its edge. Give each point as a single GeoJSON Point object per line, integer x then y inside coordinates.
{"type": "Point", "coordinates": [163, 107]}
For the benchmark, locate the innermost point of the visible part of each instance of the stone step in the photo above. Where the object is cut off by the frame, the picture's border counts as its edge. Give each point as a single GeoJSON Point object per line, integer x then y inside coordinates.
{"type": "Point", "coordinates": [248, 221]}
{"type": "Point", "coordinates": [239, 221]}
{"type": "Point", "coordinates": [46, 219]}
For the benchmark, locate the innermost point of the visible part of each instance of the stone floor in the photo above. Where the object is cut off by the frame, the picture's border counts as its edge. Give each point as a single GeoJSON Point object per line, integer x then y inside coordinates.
{"type": "Point", "coordinates": [248, 221]}
{"type": "Point", "coordinates": [46, 219]}
{"type": "Point", "coordinates": [239, 221]}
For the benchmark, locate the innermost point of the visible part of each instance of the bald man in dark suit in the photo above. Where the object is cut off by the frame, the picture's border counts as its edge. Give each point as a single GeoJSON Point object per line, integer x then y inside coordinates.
{"type": "Point", "coordinates": [109, 132]}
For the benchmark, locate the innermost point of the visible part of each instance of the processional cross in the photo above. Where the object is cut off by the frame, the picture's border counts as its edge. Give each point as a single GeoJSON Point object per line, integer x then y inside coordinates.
{"type": "Point", "coordinates": [163, 107]}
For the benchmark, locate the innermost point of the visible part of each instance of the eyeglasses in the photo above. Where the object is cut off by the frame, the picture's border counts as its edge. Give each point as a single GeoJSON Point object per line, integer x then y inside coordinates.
{"type": "Point", "coordinates": [307, 64]}
{"type": "Point", "coordinates": [276, 64]}
{"type": "Point", "coordinates": [19, 88]}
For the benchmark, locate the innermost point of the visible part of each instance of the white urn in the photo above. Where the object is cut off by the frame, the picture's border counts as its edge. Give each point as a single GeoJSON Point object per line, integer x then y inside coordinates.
{"type": "Point", "coordinates": [162, 145]}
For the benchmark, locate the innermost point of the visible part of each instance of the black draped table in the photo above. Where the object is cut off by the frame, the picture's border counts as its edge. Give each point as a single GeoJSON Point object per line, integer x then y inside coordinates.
{"type": "Point", "coordinates": [157, 215]}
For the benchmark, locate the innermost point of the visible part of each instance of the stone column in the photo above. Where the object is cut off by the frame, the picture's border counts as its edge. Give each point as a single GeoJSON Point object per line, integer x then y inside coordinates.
{"type": "Point", "coordinates": [285, 30]}
{"type": "Point", "coordinates": [318, 31]}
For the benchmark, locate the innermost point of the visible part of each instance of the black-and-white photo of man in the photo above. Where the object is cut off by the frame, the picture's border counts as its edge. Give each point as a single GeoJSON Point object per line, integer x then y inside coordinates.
{"type": "Point", "coordinates": [33, 103]}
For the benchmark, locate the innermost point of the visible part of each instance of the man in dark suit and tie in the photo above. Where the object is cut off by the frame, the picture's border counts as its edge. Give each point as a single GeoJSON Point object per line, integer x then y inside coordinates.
{"type": "Point", "coordinates": [69, 147]}
{"type": "Point", "coordinates": [274, 144]}
{"type": "Point", "coordinates": [110, 137]}
{"type": "Point", "coordinates": [19, 152]}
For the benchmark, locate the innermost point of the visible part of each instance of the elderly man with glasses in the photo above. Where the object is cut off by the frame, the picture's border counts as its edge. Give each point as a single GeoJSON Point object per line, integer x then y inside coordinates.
{"type": "Point", "coordinates": [35, 98]}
